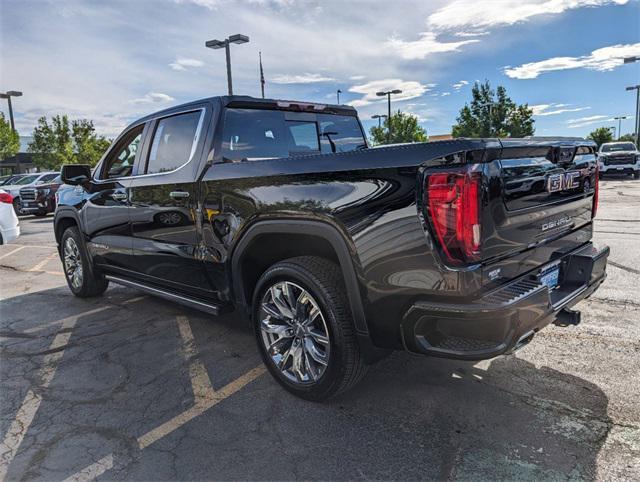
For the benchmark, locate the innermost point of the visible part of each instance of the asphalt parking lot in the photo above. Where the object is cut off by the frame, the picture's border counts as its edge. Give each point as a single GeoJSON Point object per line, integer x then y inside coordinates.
{"type": "Point", "coordinates": [131, 387]}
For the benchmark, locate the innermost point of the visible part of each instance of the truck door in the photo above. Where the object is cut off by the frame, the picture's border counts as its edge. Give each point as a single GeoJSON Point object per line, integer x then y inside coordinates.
{"type": "Point", "coordinates": [164, 204]}
{"type": "Point", "coordinates": [106, 210]}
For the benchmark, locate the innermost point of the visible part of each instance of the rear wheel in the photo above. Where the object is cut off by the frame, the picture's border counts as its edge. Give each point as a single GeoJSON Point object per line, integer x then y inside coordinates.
{"type": "Point", "coordinates": [636, 175]}
{"type": "Point", "coordinates": [17, 207]}
{"type": "Point", "coordinates": [304, 328]}
{"type": "Point", "coordinates": [82, 278]}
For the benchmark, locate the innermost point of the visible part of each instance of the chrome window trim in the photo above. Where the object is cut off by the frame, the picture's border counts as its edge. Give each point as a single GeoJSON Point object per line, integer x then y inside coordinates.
{"type": "Point", "coordinates": [194, 146]}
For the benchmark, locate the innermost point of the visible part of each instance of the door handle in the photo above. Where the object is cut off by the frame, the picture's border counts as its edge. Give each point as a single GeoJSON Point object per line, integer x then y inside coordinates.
{"type": "Point", "coordinates": [179, 194]}
{"type": "Point", "coordinates": [119, 196]}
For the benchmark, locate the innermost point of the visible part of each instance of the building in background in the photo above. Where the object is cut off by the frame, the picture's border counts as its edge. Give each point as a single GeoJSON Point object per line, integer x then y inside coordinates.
{"type": "Point", "coordinates": [20, 163]}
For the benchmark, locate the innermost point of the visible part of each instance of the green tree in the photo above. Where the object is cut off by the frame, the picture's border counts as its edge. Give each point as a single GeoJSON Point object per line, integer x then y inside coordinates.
{"type": "Point", "coordinates": [9, 140]}
{"type": "Point", "coordinates": [628, 138]}
{"type": "Point", "coordinates": [600, 136]}
{"type": "Point", "coordinates": [63, 142]}
{"type": "Point", "coordinates": [493, 114]}
{"type": "Point", "coordinates": [404, 128]}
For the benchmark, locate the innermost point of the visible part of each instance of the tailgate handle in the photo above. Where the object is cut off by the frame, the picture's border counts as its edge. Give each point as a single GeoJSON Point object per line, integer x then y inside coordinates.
{"type": "Point", "coordinates": [179, 194]}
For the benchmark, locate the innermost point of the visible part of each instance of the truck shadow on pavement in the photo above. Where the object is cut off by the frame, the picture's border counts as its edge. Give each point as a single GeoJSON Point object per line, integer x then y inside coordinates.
{"type": "Point", "coordinates": [125, 371]}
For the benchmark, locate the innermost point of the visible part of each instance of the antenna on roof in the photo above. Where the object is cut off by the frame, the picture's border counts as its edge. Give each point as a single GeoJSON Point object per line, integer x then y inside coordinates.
{"type": "Point", "coordinates": [262, 82]}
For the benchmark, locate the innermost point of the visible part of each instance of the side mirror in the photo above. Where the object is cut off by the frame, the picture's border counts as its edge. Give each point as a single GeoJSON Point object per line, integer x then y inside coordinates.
{"type": "Point", "coordinates": [75, 174]}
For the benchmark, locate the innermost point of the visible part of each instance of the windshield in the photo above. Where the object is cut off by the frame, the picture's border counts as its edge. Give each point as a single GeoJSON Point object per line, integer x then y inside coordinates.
{"type": "Point", "coordinates": [626, 146]}
{"type": "Point", "coordinates": [26, 180]}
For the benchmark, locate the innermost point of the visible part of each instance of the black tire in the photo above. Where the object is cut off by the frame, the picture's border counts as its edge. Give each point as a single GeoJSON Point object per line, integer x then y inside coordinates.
{"type": "Point", "coordinates": [92, 283]}
{"type": "Point", "coordinates": [41, 214]}
{"type": "Point", "coordinates": [600, 176]}
{"type": "Point", "coordinates": [323, 280]}
{"type": "Point", "coordinates": [16, 206]}
{"type": "Point", "coordinates": [636, 175]}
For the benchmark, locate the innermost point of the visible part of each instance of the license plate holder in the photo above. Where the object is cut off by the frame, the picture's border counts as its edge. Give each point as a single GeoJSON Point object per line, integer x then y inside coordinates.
{"type": "Point", "coordinates": [550, 276]}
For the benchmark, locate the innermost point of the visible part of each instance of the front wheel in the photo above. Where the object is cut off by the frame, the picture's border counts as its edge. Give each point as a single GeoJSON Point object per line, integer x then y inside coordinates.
{"type": "Point", "coordinates": [304, 328]}
{"type": "Point", "coordinates": [81, 276]}
{"type": "Point", "coordinates": [636, 175]}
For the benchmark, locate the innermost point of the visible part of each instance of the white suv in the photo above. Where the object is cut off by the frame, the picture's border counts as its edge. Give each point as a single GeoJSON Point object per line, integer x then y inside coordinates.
{"type": "Point", "coordinates": [619, 158]}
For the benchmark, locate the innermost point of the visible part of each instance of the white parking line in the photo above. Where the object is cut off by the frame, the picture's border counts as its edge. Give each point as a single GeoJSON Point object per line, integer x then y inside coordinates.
{"type": "Point", "coordinates": [31, 403]}
{"type": "Point", "coordinates": [92, 471]}
{"type": "Point", "coordinates": [41, 264]}
{"type": "Point", "coordinates": [13, 251]}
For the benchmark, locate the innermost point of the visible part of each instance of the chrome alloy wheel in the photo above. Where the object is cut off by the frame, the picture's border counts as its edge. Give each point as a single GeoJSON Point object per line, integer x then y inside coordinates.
{"type": "Point", "coordinates": [294, 332]}
{"type": "Point", "coordinates": [73, 263]}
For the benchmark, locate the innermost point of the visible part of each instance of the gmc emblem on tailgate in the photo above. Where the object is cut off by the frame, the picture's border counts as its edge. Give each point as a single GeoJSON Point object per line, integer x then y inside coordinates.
{"type": "Point", "coordinates": [563, 181]}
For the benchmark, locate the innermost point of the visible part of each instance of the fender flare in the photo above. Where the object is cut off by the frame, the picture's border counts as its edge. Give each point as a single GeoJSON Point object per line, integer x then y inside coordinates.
{"type": "Point", "coordinates": [65, 213]}
{"type": "Point", "coordinates": [312, 228]}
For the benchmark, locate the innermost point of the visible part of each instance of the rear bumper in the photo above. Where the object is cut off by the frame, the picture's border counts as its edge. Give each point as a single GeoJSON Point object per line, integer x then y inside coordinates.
{"type": "Point", "coordinates": [502, 320]}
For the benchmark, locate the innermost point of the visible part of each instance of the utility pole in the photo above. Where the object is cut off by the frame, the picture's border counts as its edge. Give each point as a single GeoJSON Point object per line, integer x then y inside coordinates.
{"type": "Point", "coordinates": [7, 95]}
{"type": "Point", "coordinates": [388, 94]}
{"type": "Point", "coordinates": [619, 119]}
{"type": "Point", "coordinates": [637, 123]}
{"type": "Point", "coordinates": [338, 92]}
{"type": "Point", "coordinates": [219, 44]}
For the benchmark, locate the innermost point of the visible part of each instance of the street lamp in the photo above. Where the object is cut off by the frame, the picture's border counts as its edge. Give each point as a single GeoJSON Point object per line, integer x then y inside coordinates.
{"type": "Point", "coordinates": [619, 119]}
{"type": "Point", "coordinates": [388, 94]}
{"type": "Point", "coordinates": [637, 89]}
{"type": "Point", "coordinates": [8, 95]}
{"type": "Point", "coordinates": [219, 44]}
{"type": "Point", "coordinates": [338, 92]}
{"type": "Point", "coordinates": [379, 117]}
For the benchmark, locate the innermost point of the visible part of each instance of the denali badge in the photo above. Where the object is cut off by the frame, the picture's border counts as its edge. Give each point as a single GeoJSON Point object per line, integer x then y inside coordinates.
{"type": "Point", "coordinates": [563, 182]}
{"type": "Point", "coordinates": [556, 223]}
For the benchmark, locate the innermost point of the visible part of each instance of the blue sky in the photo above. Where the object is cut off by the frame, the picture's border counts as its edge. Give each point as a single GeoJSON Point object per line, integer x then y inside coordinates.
{"type": "Point", "coordinates": [115, 61]}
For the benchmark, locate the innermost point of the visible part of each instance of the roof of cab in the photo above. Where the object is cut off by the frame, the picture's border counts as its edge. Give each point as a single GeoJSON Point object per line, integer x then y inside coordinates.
{"type": "Point", "coordinates": [248, 102]}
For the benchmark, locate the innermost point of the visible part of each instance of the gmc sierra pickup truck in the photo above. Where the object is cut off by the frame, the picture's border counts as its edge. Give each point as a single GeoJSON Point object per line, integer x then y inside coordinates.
{"type": "Point", "coordinates": [338, 253]}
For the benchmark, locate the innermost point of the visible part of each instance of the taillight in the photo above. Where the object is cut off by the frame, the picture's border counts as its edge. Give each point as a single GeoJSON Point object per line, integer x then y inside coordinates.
{"type": "Point", "coordinates": [453, 205]}
{"type": "Point", "coordinates": [5, 197]}
{"type": "Point", "coordinates": [596, 188]}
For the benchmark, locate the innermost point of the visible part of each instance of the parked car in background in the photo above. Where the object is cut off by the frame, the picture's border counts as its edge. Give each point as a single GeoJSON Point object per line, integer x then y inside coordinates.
{"type": "Point", "coordinates": [39, 199]}
{"type": "Point", "coordinates": [11, 179]}
{"type": "Point", "coordinates": [30, 180]}
{"type": "Point", "coordinates": [9, 224]}
{"type": "Point", "coordinates": [619, 158]}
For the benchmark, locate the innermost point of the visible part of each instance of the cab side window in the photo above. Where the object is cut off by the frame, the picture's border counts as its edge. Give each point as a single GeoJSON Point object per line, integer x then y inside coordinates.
{"type": "Point", "coordinates": [120, 161]}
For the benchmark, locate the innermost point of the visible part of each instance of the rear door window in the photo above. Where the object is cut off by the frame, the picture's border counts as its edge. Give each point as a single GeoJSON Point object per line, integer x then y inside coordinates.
{"type": "Point", "coordinates": [174, 142]}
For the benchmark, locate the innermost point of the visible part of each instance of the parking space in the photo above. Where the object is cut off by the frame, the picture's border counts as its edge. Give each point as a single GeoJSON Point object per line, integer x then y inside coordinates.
{"type": "Point", "coordinates": [130, 387]}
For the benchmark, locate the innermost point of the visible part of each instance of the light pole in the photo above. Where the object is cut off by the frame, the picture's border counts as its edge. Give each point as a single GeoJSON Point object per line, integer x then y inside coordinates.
{"type": "Point", "coordinates": [218, 44]}
{"type": "Point", "coordinates": [388, 94]}
{"type": "Point", "coordinates": [8, 95]}
{"type": "Point", "coordinates": [490, 105]}
{"type": "Point", "coordinates": [619, 119]}
{"type": "Point", "coordinates": [379, 117]}
{"type": "Point", "coordinates": [338, 92]}
{"type": "Point", "coordinates": [637, 123]}
{"type": "Point", "coordinates": [630, 60]}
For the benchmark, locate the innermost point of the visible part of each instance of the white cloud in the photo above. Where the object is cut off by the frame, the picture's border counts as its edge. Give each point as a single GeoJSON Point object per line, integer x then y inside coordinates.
{"type": "Point", "coordinates": [184, 63]}
{"type": "Point", "coordinates": [410, 90]}
{"type": "Point", "coordinates": [427, 44]}
{"type": "Point", "coordinates": [585, 121]}
{"type": "Point", "coordinates": [444, 94]}
{"type": "Point", "coordinates": [606, 58]}
{"type": "Point", "coordinates": [554, 109]}
{"type": "Point", "coordinates": [153, 98]}
{"type": "Point", "coordinates": [474, 14]}
{"type": "Point", "coordinates": [300, 79]}
{"type": "Point", "coordinates": [460, 85]}
{"type": "Point", "coordinates": [471, 33]}
{"type": "Point", "coordinates": [356, 77]}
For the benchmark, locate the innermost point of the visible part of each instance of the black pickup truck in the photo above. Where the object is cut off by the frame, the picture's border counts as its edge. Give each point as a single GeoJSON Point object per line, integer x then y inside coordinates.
{"type": "Point", "coordinates": [338, 252]}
